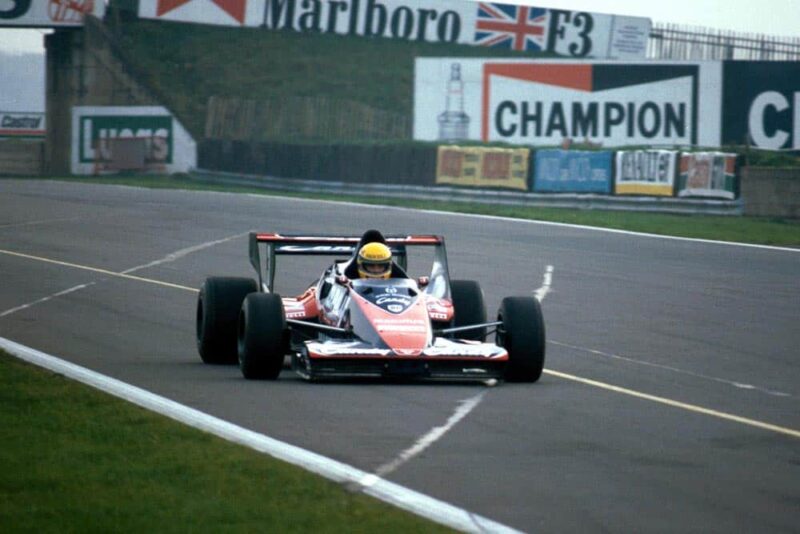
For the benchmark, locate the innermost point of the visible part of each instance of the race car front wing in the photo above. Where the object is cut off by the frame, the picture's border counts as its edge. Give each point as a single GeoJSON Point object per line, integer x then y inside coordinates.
{"type": "Point", "coordinates": [445, 359]}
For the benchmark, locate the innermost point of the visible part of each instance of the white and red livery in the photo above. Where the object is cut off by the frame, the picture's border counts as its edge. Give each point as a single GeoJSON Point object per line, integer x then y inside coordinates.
{"type": "Point", "coordinates": [344, 326]}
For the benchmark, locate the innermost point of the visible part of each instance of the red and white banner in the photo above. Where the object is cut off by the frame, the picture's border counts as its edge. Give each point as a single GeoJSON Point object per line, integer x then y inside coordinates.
{"type": "Point", "coordinates": [49, 13]}
{"type": "Point", "coordinates": [17, 124]}
{"type": "Point", "coordinates": [576, 34]}
{"type": "Point", "coordinates": [218, 12]}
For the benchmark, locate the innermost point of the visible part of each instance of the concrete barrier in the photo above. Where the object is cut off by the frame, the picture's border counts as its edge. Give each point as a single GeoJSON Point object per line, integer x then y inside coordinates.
{"type": "Point", "coordinates": [21, 158]}
{"type": "Point", "coordinates": [771, 191]}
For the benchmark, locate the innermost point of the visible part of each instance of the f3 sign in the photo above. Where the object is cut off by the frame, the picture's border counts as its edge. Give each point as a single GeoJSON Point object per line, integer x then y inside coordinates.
{"type": "Point", "coordinates": [761, 104]}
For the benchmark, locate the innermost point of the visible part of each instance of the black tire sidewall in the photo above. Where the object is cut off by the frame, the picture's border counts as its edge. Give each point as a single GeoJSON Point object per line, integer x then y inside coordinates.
{"type": "Point", "coordinates": [468, 308]}
{"type": "Point", "coordinates": [218, 305]}
{"type": "Point", "coordinates": [523, 338]}
{"type": "Point", "coordinates": [261, 337]}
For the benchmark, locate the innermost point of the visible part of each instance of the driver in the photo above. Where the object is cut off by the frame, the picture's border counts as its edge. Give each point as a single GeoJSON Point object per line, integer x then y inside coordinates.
{"type": "Point", "coordinates": [374, 261]}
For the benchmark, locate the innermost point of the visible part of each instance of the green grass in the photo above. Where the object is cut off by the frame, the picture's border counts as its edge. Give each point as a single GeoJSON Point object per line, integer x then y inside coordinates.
{"type": "Point", "coordinates": [756, 230]}
{"type": "Point", "coordinates": [77, 460]}
{"type": "Point", "coordinates": [189, 63]}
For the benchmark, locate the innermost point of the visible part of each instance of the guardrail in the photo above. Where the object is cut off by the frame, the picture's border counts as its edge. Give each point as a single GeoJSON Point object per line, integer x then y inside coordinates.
{"type": "Point", "coordinates": [479, 196]}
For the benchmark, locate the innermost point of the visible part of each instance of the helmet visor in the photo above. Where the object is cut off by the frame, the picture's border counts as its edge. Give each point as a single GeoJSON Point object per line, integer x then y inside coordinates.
{"type": "Point", "coordinates": [376, 268]}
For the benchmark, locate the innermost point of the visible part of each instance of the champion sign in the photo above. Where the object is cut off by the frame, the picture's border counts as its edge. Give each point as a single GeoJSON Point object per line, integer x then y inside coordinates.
{"type": "Point", "coordinates": [545, 102]}
{"type": "Point", "coordinates": [536, 104]}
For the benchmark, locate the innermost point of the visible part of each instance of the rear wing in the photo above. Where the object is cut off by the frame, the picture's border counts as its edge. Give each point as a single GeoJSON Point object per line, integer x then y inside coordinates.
{"type": "Point", "coordinates": [342, 246]}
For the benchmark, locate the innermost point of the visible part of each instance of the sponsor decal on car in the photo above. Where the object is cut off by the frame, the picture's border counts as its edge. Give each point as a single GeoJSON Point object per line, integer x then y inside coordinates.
{"type": "Point", "coordinates": [401, 325]}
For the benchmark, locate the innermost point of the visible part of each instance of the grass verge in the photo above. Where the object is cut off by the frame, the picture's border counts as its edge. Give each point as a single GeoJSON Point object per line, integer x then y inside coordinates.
{"type": "Point", "coordinates": [756, 230]}
{"type": "Point", "coordinates": [77, 460]}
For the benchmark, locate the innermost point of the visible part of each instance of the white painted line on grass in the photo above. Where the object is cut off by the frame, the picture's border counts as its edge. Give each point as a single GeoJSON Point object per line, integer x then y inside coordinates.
{"type": "Point", "coordinates": [435, 434]}
{"type": "Point", "coordinates": [45, 299]}
{"type": "Point", "coordinates": [671, 369]}
{"type": "Point", "coordinates": [547, 282]}
{"type": "Point", "coordinates": [402, 497]}
{"type": "Point", "coordinates": [184, 252]}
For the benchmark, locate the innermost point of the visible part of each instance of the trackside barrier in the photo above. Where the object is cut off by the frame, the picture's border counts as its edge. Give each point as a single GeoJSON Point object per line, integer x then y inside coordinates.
{"type": "Point", "coordinates": [640, 173]}
{"type": "Point", "coordinates": [351, 163]}
{"type": "Point", "coordinates": [708, 174]}
{"type": "Point", "coordinates": [573, 171]}
{"type": "Point", "coordinates": [505, 168]}
{"type": "Point", "coordinates": [471, 195]}
{"type": "Point", "coordinates": [645, 172]}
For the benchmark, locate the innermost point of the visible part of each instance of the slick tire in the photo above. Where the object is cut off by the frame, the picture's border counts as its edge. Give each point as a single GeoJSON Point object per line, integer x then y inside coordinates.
{"type": "Point", "coordinates": [522, 335]}
{"type": "Point", "coordinates": [468, 308]}
{"type": "Point", "coordinates": [218, 306]}
{"type": "Point", "coordinates": [262, 336]}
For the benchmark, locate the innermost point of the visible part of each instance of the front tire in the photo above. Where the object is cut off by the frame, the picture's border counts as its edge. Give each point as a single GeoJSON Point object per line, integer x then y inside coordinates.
{"type": "Point", "coordinates": [262, 336]}
{"type": "Point", "coordinates": [218, 305]}
{"type": "Point", "coordinates": [522, 335]}
{"type": "Point", "coordinates": [468, 308]}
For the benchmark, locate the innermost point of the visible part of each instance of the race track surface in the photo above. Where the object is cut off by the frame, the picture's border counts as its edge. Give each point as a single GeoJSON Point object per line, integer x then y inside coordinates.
{"type": "Point", "coordinates": [689, 333]}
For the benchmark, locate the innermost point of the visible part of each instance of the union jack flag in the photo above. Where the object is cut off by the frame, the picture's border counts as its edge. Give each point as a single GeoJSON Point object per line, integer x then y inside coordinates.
{"type": "Point", "coordinates": [512, 27]}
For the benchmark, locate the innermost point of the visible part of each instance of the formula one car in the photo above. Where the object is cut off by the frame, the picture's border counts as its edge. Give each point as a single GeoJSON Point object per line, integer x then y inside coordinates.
{"type": "Point", "coordinates": [343, 326]}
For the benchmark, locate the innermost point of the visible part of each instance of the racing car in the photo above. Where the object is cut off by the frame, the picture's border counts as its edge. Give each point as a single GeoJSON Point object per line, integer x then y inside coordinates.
{"type": "Point", "coordinates": [342, 326]}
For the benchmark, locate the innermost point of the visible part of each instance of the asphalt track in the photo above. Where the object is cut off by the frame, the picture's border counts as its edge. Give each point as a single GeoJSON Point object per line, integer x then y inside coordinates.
{"type": "Point", "coordinates": [671, 396]}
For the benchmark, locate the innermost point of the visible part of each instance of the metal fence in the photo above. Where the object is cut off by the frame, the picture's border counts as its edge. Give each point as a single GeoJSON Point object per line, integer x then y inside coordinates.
{"type": "Point", "coordinates": [675, 41]}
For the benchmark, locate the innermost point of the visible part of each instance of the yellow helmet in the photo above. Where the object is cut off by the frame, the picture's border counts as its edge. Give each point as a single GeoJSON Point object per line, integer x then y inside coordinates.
{"type": "Point", "coordinates": [374, 261]}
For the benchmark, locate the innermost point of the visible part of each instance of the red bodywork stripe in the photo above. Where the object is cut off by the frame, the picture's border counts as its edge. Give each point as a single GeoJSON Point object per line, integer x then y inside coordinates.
{"type": "Point", "coordinates": [316, 355]}
{"type": "Point", "coordinates": [408, 240]}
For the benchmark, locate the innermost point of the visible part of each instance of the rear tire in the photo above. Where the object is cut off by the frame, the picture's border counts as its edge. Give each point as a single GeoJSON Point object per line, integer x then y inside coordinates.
{"type": "Point", "coordinates": [468, 308]}
{"type": "Point", "coordinates": [262, 336]}
{"type": "Point", "coordinates": [218, 306]}
{"type": "Point", "coordinates": [522, 335]}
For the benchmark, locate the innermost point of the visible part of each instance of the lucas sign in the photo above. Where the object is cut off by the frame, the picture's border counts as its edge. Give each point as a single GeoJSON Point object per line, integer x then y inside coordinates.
{"type": "Point", "coordinates": [164, 144]}
{"type": "Point", "coordinates": [545, 102]}
{"type": "Point", "coordinates": [49, 13]}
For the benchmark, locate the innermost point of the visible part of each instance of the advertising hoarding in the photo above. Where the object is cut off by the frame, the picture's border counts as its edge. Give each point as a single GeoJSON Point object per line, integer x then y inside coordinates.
{"type": "Point", "coordinates": [707, 174]}
{"type": "Point", "coordinates": [483, 167]}
{"type": "Point", "coordinates": [645, 172]}
{"type": "Point", "coordinates": [49, 13]}
{"type": "Point", "coordinates": [524, 28]}
{"type": "Point", "coordinates": [217, 12]}
{"type": "Point", "coordinates": [19, 124]}
{"type": "Point", "coordinates": [544, 102]}
{"type": "Point", "coordinates": [572, 171]}
{"type": "Point", "coordinates": [168, 147]}
{"type": "Point", "coordinates": [761, 104]}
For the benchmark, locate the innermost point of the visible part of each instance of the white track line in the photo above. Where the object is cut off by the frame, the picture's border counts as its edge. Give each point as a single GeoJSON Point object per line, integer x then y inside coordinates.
{"type": "Point", "coordinates": [529, 221]}
{"type": "Point", "coordinates": [45, 299]}
{"type": "Point", "coordinates": [184, 252]}
{"type": "Point", "coordinates": [676, 404]}
{"type": "Point", "coordinates": [609, 387]}
{"type": "Point", "coordinates": [39, 222]}
{"type": "Point", "coordinates": [547, 282]}
{"type": "Point", "coordinates": [738, 385]}
{"type": "Point", "coordinates": [384, 490]}
{"type": "Point", "coordinates": [96, 270]}
{"type": "Point", "coordinates": [435, 434]}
